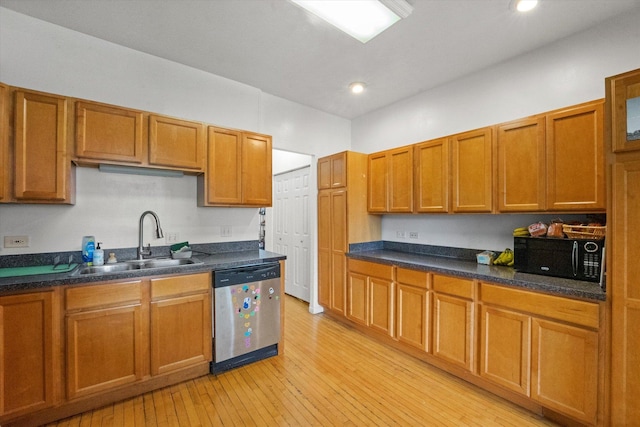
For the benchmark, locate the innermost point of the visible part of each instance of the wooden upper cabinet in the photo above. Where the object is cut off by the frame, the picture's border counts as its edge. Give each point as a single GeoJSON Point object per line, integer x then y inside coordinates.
{"type": "Point", "coordinates": [391, 180]}
{"type": "Point", "coordinates": [623, 93]}
{"type": "Point", "coordinates": [472, 171]}
{"type": "Point", "coordinates": [224, 166]}
{"type": "Point", "coordinates": [42, 165]}
{"type": "Point", "coordinates": [521, 165]}
{"type": "Point", "coordinates": [238, 169]}
{"type": "Point", "coordinates": [432, 176]}
{"type": "Point", "coordinates": [4, 143]}
{"type": "Point", "coordinates": [29, 365]}
{"type": "Point", "coordinates": [256, 170]}
{"type": "Point", "coordinates": [575, 159]}
{"type": "Point", "coordinates": [105, 132]}
{"type": "Point", "coordinates": [377, 194]}
{"type": "Point", "coordinates": [401, 179]}
{"type": "Point", "coordinates": [332, 171]}
{"type": "Point", "coordinates": [176, 143]}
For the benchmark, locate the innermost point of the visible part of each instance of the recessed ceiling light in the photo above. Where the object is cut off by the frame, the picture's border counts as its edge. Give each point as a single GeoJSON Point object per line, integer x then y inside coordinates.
{"type": "Point", "coordinates": [356, 87]}
{"type": "Point", "coordinates": [361, 19]}
{"type": "Point", "coordinates": [525, 5]}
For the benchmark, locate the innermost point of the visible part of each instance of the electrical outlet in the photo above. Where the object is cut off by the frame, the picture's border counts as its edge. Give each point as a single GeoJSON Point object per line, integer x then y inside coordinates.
{"type": "Point", "coordinates": [413, 234]}
{"type": "Point", "coordinates": [225, 231]}
{"type": "Point", "coordinates": [16, 241]}
{"type": "Point", "coordinates": [171, 238]}
{"type": "Point", "coordinates": [400, 234]}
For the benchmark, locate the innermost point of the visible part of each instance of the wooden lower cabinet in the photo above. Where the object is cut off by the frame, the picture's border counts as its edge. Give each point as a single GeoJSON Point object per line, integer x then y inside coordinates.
{"type": "Point", "coordinates": [180, 322]}
{"type": "Point", "coordinates": [564, 365]}
{"type": "Point", "coordinates": [105, 337]}
{"type": "Point", "coordinates": [29, 332]}
{"type": "Point", "coordinates": [413, 309]}
{"type": "Point", "coordinates": [505, 339]}
{"type": "Point", "coordinates": [453, 320]}
{"type": "Point", "coordinates": [370, 296]}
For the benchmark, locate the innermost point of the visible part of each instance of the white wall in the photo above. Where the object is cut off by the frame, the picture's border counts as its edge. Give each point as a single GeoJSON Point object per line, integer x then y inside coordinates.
{"type": "Point", "coordinates": [41, 56]}
{"type": "Point", "coordinates": [569, 72]}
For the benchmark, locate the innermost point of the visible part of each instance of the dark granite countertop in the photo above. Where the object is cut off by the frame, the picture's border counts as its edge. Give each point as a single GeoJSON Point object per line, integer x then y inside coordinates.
{"type": "Point", "coordinates": [214, 257]}
{"type": "Point", "coordinates": [458, 262]}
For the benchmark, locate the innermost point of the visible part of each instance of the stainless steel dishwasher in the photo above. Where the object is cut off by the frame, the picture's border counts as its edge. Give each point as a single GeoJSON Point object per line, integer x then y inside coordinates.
{"type": "Point", "coordinates": [246, 315]}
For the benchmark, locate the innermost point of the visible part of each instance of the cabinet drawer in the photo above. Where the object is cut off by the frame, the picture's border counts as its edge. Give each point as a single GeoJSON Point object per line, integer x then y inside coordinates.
{"type": "Point", "coordinates": [416, 278]}
{"type": "Point", "coordinates": [91, 296]}
{"type": "Point", "coordinates": [453, 286]}
{"type": "Point", "coordinates": [372, 269]}
{"type": "Point", "coordinates": [574, 311]}
{"type": "Point", "coordinates": [179, 285]}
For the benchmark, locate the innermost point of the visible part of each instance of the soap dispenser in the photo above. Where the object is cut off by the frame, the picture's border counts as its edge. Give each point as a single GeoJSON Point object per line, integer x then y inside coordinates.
{"type": "Point", "coordinates": [98, 255]}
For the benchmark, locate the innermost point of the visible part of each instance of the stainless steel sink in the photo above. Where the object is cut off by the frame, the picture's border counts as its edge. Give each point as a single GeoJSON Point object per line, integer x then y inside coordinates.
{"type": "Point", "coordinates": [107, 268]}
{"type": "Point", "coordinates": [135, 265]}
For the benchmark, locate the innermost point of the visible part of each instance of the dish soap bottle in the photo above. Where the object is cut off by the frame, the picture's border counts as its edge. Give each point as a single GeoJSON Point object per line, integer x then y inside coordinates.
{"type": "Point", "coordinates": [98, 255]}
{"type": "Point", "coordinates": [88, 246]}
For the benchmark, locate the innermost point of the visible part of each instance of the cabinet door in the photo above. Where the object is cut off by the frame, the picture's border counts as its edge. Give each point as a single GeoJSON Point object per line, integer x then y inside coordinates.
{"type": "Point", "coordinates": [624, 274]}
{"type": "Point", "coordinates": [28, 335]}
{"type": "Point", "coordinates": [565, 369]}
{"type": "Point", "coordinates": [401, 180]}
{"type": "Point", "coordinates": [358, 298]}
{"type": "Point", "coordinates": [382, 305]}
{"type": "Point", "coordinates": [453, 330]}
{"type": "Point", "coordinates": [104, 349]}
{"type": "Point", "coordinates": [412, 323]}
{"type": "Point", "coordinates": [432, 176]}
{"type": "Point", "coordinates": [575, 159]}
{"type": "Point", "coordinates": [338, 250]}
{"type": "Point", "coordinates": [377, 183]}
{"type": "Point", "coordinates": [176, 143]}
{"type": "Point", "coordinates": [339, 170]}
{"type": "Point", "coordinates": [224, 166]}
{"type": "Point", "coordinates": [324, 173]}
{"type": "Point", "coordinates": [521, 166]}
{"type": "Point", "coordinates": [472, 170]}
{"type": "Point", "coordinates": [41, 163]}
{"type": "Point", "coordinates": [332, 171]}
{"type": "Point", "coordinates": [105, 132]}
{"type": "Point", "coordinates": [324, 248]}
{"type": "Point", "coordinates": [107, 337]}
{"type": "Point", "coordinates": [256, 170]}
{"type": "Point", "coordinates": [4, 143]}
{"type": "Point", "coordinates": [505, 348]}
{"type": "Point", "coordinates": [180, 322]}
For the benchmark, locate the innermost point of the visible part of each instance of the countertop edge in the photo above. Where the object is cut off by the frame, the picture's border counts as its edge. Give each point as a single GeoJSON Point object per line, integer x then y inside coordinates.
{"type": "Point", "coordinates": [208, 263]}
{"type": "Point", "coordinates": [493, 274]}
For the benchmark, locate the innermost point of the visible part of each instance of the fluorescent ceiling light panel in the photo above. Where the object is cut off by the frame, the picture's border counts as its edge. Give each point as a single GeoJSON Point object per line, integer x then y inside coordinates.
{"type": "Point", "coordinates": [361, 19]}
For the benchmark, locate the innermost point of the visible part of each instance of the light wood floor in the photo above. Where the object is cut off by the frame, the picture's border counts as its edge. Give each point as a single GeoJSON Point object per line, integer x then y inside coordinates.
{"type": "Point", "coordinates": [330, 375]}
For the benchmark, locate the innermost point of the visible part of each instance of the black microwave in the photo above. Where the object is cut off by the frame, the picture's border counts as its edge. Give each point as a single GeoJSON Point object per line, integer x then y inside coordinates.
{"type": "Point", "coordinates": [570, 258]}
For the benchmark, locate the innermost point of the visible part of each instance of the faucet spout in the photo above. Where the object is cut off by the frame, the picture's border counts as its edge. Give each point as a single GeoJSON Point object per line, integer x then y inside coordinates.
{"type": "Point", "coordinates": [142, 252]}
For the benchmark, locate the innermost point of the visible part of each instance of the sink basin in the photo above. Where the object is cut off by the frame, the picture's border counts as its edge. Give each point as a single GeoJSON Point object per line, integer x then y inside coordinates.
{"type": "Point", "coordinates": [135, 265]}
{"type": "Point", "coordinates": [161, 262]}
{"type": "Point", "coordinates": [107, 268]}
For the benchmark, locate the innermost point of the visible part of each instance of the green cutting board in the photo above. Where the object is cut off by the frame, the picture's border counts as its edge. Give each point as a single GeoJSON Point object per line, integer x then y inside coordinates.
{"type": "Point", "coordinates": [36, 269]}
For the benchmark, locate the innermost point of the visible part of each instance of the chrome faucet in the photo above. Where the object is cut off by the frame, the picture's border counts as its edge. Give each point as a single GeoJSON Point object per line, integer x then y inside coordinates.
{"type": "Point", "coordinates": [142, 252]}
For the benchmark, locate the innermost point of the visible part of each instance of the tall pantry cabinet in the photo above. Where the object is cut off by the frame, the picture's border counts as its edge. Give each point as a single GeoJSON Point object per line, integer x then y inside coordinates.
{"type": "Point", "coordinates": [342, 220]}
{"type": "Point", "coordinates": [623, 276]}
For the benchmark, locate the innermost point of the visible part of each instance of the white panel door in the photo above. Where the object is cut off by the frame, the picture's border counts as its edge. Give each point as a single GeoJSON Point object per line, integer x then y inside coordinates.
{"type": "Point", "coordinates": [292, 236]}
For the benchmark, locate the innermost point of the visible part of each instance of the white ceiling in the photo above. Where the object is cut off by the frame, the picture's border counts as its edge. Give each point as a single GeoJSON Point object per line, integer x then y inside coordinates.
{"type": "Point", "coordinates": [279, 48]}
